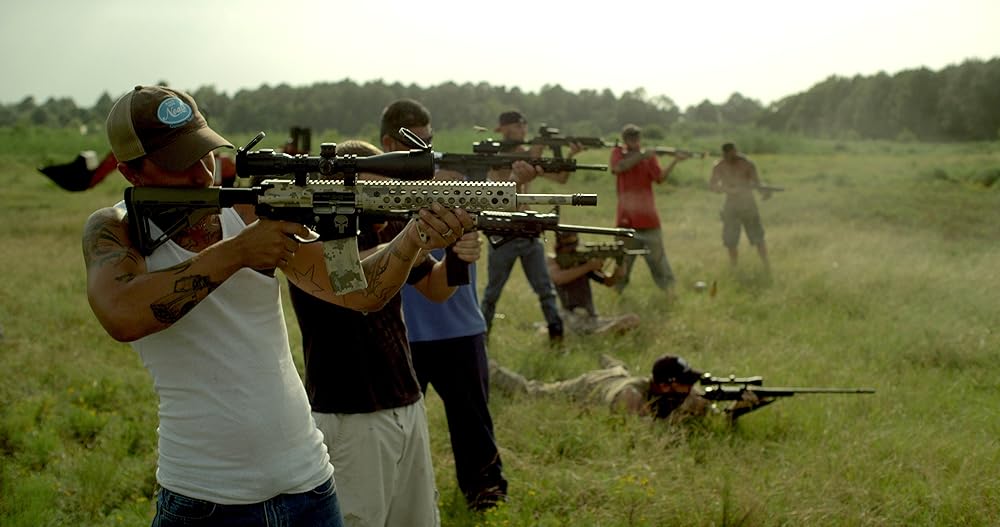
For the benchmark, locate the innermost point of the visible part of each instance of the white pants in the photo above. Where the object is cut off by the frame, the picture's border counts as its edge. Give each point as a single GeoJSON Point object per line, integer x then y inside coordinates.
{"type": "Point", "coordinates": [382, 466]}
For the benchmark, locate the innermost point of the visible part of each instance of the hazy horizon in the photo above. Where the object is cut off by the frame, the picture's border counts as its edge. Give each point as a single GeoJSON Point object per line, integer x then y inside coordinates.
{"type": "Point", "coordinates": [765, 52]}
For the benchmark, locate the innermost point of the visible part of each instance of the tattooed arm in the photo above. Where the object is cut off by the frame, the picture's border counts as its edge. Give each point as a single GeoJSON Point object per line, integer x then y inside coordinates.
{"type": "Point", "coordinates": [387, 268]}
{"type": "Point", "coordinates": [131, 302]}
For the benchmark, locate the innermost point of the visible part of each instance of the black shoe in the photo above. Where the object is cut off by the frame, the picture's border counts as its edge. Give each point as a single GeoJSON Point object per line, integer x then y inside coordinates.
{"type": "Point", "coordinates": [487, 499]}
{"type": "Point", "coordinates": [556, 333]}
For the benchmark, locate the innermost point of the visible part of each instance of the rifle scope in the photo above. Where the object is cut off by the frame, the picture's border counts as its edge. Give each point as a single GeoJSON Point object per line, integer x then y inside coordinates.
{"type": "Point", "coordinates": [416, 164]}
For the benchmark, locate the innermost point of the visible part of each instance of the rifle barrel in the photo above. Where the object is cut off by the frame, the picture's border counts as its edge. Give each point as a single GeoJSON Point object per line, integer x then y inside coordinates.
{"type": "Point", "coordinates": [586, 229]}
{"type": "Point", "coordinates": [603, 168]}
{"type": "Point", "coordinates": [733, 392]}
{"type": "Point", "coordinates": [586, 200]}
{"type": "Point", "coordinates": [765, 390]}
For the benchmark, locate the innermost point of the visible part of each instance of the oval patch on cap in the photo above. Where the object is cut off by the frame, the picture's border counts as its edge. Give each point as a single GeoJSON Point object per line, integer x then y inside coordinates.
{"type": "Point", "coordinates": [174, 112]}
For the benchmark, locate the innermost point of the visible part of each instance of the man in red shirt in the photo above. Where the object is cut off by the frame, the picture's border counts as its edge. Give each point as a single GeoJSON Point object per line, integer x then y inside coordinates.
{"type": "Point", "coordinates": [636, 171]}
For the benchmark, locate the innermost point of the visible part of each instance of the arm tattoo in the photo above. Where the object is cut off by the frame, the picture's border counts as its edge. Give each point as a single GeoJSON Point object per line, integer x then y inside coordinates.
{"type": "Point", "coordinates": [377, 283]}
{"type": "Point", "coordinates": [176, 269]}
{"type": "Point", "coordinates": [102, 246]}
{"type": "Point", "coordinates": [188, 291]}
{"type": "Point", "coordinates": [306, 280]}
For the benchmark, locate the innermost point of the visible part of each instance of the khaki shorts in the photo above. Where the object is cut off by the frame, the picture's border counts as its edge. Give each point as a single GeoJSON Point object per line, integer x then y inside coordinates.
{"type": "Point", "coordinates": [733, 220]}
{"type": "Point", "coordinates": [382, 466]}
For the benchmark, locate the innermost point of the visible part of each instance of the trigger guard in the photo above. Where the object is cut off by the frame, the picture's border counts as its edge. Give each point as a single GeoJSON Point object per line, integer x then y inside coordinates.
{"type": "Point", "coordinates": [314, 238]}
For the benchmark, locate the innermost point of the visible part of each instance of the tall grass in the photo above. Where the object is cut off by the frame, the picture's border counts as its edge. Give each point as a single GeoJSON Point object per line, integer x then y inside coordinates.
{"type": "Point", "coordinates": [884, 275]}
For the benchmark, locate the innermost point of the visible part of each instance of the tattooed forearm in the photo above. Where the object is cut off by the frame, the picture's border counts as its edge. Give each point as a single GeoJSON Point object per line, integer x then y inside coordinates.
{"type": "Point", "coordinates": [393, 249]}
{"type": "Point", "coordinates": [188, 291]}
{"type": "Point", "coordinates": [305, 279]}
{"type": "Point", "coordinates": [374, 269]}
{"type": "Point", "coordinates": [102, 245]}
{"type": "Point", "coordinates": [176, 269]}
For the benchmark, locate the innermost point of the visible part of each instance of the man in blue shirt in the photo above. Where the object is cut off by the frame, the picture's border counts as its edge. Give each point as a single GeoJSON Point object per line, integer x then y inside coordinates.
{"type": "Point", "coordinates": [448, 345]}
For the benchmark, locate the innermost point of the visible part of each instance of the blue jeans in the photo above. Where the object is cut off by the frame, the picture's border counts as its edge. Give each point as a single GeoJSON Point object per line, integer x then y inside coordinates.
{"type": "Point", "coordinates": [531, 251]}
{"type": "Point", "coordinates": [656, 259]}
{"type": "Point", "coordinates": [318, 507]}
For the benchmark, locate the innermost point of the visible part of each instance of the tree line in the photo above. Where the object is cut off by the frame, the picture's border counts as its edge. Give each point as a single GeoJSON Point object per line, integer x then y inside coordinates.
{"type": "Point", "coordinates": [957, 103]}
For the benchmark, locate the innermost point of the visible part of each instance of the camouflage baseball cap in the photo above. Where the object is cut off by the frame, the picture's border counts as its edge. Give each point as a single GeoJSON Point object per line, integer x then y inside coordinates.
{"type": "Point", "coordinates": [162, 124]}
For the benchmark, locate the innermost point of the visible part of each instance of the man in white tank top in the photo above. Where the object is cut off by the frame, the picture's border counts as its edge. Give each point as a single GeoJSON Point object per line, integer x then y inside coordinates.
{"type": "Point", "coordinates": [237, 442]}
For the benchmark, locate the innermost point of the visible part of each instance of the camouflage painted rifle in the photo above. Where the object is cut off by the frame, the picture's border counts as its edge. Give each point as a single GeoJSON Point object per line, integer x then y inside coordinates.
{"type": "Point", "coordinates": [615, 250]}
{"type": "Point", "coordinates": [330, 207]}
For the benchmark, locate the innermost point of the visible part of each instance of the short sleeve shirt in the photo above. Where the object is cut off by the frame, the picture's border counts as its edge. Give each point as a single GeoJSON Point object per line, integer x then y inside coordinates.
{"type": "Point", "coordinates": [636, 204]}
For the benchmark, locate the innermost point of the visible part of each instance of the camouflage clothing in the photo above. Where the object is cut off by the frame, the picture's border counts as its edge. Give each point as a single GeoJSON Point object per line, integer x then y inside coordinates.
{"type": "Point", "coordinates": [612, 386]}
{"type": "Point", "coordinates": [608, 386]}
{"type": "Point", "coordinates": [584, 323]}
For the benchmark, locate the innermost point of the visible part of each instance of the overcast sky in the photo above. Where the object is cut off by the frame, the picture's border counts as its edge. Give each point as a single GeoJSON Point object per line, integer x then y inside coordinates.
{"type": "Point", "coordinates": [688, 51]}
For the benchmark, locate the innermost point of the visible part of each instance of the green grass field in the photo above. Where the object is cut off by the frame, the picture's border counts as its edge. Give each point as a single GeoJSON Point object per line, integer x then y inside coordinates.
{"type": "Point", "coordinates": [885, 274]}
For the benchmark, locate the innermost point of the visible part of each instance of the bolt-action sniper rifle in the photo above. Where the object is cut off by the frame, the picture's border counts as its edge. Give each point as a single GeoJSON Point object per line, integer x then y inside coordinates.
{"type": "Point", "coordinates": [330, 207]}
{"type": "Point", "coordinates": [615, 250]}
{"type": "Point", "coordinates": [734, 388]}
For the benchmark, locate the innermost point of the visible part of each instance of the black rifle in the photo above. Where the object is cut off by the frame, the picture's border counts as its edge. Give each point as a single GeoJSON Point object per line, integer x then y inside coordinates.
{"type": "Point", "coordinates": [330, 207]}
{"type": "Point", "coordinates": [488, 157]}
{"type": "Point", "coordinates": [500, 227]}
{"type": "Point", "coordinates": [551, 138]}
{"type": "Point", "coordinates": [597, 250]}
{"type": "Point", "coordinates": [733, 389]}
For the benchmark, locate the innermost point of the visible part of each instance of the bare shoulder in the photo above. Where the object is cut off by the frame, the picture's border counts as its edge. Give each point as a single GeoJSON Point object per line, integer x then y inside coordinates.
{"type": "Point", "coordinates": [106, 242]}
{"type": "Point", "coordinates": [108, 218]}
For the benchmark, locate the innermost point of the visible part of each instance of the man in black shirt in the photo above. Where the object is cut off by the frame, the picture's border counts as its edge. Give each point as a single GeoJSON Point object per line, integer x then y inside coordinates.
{"type": "Point", "coordinates": [365, 396]}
